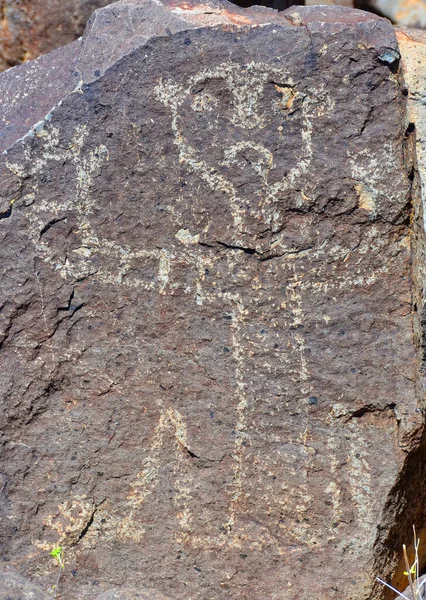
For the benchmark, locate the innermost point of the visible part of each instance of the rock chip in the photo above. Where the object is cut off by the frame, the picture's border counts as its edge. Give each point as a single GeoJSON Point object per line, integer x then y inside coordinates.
{"type": "Point", "coordinates": [211, 332]}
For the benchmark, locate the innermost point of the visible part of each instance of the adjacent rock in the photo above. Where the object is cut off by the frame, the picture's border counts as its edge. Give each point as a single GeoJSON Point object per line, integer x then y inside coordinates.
{"type": "Point", "coordinates": [411, 13]}
{"type": "Point", "coordinates": [412, 45]}
{"type": "Point", "coordinates": [15, 587]}
{"type": "Point", "coordinates": [29, 28]}
{"type": "Point", "coordinates": [406, 505]}
{"type": "Point", "coordinates": [419, 589]}
{"type": "Point", "coordinates": [211, 307]}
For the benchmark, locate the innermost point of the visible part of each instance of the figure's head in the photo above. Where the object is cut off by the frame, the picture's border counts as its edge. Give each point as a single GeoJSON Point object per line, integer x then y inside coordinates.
{"type": "Point", "coordinates": [244, 129]}
{"type": "Point", "coordinates": [238, 116]}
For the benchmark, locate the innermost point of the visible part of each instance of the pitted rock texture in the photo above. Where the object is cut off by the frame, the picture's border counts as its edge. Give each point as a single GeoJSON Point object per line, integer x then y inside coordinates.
{"type": "Point", "coordinates": [29, 28]}
{"type": "Point", "coordinates": [210, 377]}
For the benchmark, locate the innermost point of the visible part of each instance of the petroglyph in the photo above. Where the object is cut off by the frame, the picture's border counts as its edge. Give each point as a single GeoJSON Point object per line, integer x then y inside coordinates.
{"type": "Point", "coordinates": [73, 517]}
{"type": "Point", "coordinates": [235, 95]}
{"type": "Point", "coordinates": [247, 103]}
{"type": "Point", "coordinates": [246, 86]}
{"type": "Point", "coordinates": [218, 252]}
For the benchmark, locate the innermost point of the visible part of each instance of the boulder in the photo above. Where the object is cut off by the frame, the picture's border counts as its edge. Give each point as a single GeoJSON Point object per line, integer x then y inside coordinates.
{"type": "Point", "coordinates": [212, 298]}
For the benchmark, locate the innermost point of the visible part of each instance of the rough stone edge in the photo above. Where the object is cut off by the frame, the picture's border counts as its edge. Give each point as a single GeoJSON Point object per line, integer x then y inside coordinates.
{"type": "Point", "coordinates": [404, 506]}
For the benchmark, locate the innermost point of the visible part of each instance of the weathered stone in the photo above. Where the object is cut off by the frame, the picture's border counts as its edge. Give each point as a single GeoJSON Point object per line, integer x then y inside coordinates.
{"type": "Point", "coordinates": [29, 28]}
{"type": "Point", "coordinates": [15, 587]}
{"type": "Point", "coordinates": [406, 505]}
{"type": "Point", "coordinates": [211, 342]}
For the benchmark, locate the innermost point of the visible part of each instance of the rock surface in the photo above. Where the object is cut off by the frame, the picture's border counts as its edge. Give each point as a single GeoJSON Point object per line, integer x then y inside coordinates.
{"type": "Point", "coordinates": [29, 28]}
{"type": "Point", "coordinates": [30, 90]}
{"type": "Point", "coordinates": [211, 342]}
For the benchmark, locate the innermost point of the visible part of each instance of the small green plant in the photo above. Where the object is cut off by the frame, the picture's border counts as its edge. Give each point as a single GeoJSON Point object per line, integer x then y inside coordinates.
{"type": "Point", "coordinates": [57, 555]}
{"type": "Point", "coordinates": [415, 585]}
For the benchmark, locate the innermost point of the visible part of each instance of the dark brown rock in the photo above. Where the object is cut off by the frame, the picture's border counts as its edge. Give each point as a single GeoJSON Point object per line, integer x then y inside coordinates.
{"type": "Point", "coordinates": [210, 357]}
{"type": "Point", "coordinates": [29, 28]}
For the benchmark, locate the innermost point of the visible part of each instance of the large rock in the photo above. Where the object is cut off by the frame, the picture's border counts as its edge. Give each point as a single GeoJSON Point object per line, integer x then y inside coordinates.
{"type": "Point", "coordinates": [211, 280]}
{"type": "Point", "coordinates": [29, 28]}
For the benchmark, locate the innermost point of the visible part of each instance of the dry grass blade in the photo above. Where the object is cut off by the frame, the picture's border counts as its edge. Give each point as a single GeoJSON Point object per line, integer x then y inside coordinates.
{"type": "Point", "coordinates": [407, 566]}
{"type": "Point", "coordinates": [416, 562]}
